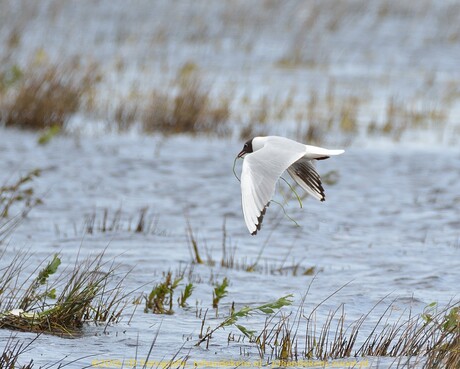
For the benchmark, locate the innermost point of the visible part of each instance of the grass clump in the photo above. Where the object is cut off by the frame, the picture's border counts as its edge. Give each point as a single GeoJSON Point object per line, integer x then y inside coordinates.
{"type": "Point", "coordinates": [160, 300]}
{"type": "Point", "coordinates": [445, 350]}
{"type": "Point", "coordinates": [189, 110]}
{"type": "Point", "coordinates": [88, 294]}
{"type": "Point", "coordinates": [42, 97]}
{"type": "Point", "coordinates": [430, 340]}
{"type": "Point", "coordinates": [400, 118]}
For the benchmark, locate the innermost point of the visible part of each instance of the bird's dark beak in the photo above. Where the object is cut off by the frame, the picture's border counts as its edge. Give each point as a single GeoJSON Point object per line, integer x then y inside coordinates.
{"type": "Point", "coordinates": [241, 154]}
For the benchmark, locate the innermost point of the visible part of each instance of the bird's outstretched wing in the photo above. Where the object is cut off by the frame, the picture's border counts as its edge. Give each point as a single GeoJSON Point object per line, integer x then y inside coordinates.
{"type": "Point", "coordinates": [306, 176]}
{"type": "Point", "coordinates": [261, 170]}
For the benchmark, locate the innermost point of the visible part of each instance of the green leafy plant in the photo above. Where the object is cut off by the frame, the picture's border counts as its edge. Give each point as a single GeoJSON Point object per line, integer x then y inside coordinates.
{"type": "Point", "coordinates": [428, 312]}
{"type": "Point", "coordinates": [452, 320]}
{"type": "Point", "coordinates": [31, 296]}
{"type": "Point", "coordinates": [268, 309]}
{"type": "Point", "coordinates": [449, 322]}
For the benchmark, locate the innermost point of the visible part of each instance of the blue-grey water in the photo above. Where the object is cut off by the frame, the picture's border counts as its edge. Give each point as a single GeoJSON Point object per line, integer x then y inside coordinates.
{"type": "Point", "coordinates": [389, 227]}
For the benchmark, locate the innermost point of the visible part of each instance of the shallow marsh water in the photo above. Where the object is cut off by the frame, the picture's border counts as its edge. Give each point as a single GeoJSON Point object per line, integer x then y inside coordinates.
{"type": "Point", "coordinates": [389, 227]}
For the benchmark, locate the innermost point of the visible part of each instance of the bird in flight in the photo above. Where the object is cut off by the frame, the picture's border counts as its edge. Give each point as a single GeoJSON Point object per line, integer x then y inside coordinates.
{"type": "Point", "coordinates": [265, 160]}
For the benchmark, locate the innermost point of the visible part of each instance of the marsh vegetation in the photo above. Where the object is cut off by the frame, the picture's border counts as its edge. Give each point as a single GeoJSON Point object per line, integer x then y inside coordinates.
{"type": "Point", "coordinates": [191, 95]}
{"type": "Point", "coordinates": [84, 294]}
{"type": "Point", "coordinates": [129, 237]}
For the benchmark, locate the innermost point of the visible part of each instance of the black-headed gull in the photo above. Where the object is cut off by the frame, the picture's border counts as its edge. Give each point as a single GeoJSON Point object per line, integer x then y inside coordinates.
{"type": "Point", "coordinates": [265, 160]}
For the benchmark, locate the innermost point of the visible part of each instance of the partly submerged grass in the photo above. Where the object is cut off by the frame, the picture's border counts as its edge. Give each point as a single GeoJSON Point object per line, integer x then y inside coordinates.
{"type": "Point", "coordinates": [219, 292]}
{"type": "Point", "coordinates": [15, 348]}
{"type": "Point", "coordinates": [87, 293]}
{"type": "Point", "coordinates": [230, 260]}
{"type": "Point", "coordinates": [161, 299]}
{"type": "Point", "coordinates": [190, 110]}
{"type": "Point", "coordinates": [431, 340]}
{"type": "Point", "coordinates": [37, 95]}
{"type": "Point", "coordinates": [19, 192]}
{"type": "Point", "coordinates": [17, 197]}
{"type": "Point", "coordinates": [233, 318]}
{"type": "Point", "coordinates": [10, 356]}
{"type": "Point", "coordinates": [116, 221]}
{"type": "Point", "coordinates": [45, 96]}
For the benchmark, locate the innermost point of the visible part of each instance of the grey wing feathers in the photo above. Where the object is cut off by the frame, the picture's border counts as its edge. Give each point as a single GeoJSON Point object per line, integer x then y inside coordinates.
{"type": "Point", "coordinates": [304, 173]}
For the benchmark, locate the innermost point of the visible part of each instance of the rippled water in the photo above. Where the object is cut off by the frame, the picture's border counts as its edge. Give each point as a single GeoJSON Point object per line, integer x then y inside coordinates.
{"type": "Point", "coordinates": [390, 225]}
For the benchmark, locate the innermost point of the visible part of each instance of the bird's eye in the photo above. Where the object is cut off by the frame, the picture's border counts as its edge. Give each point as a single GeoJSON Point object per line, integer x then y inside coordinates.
{"type": "Point", "coordinates": [245, 145]}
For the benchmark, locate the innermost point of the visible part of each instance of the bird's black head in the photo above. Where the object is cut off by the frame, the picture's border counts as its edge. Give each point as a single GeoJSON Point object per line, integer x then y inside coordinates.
{"type": "Point", "coordinates": [247, 148]}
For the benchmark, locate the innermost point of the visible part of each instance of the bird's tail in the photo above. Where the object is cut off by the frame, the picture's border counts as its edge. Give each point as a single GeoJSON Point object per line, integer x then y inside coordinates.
{"type": "Point", "coordinates": [315, 152]}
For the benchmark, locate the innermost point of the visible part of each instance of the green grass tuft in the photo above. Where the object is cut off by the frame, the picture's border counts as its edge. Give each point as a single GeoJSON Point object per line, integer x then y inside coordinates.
{"type": "Point", "coordinates": [87, 294]}
{"type": "Point", "coordinates": [219, 292]}
{"type": "Point", "coordinates": [160, 300]}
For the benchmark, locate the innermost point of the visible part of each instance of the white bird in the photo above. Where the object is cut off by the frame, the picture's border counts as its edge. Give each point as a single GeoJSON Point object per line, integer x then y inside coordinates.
{"type": "Point", "coordinates": [265, 160]}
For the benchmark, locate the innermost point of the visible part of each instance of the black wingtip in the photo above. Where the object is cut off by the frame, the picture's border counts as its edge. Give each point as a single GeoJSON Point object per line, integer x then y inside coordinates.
{"type": "Point", "coordinates": [323, 194]}
{"type": "Point", "coordinates": [260, 219]}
